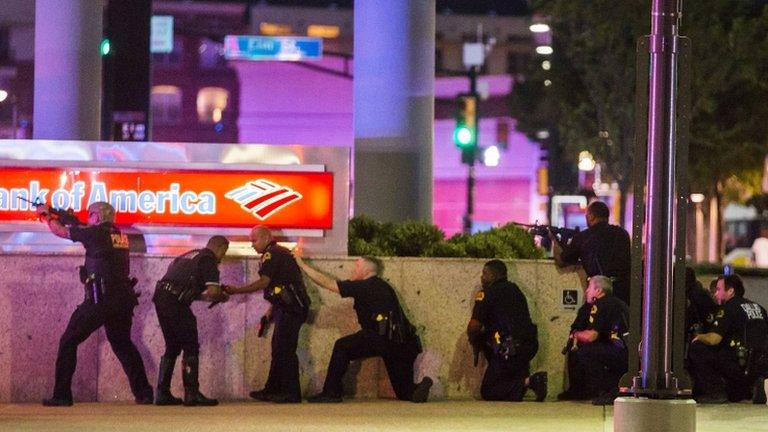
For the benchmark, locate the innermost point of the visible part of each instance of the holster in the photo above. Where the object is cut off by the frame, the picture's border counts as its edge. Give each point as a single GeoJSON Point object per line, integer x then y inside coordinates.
{"type": "Point", "coordinates": [185, 295]}
{"type": "Point", "coordinates": [504, 346]}
{"type": "Point", "coordinates": [95, 289]}
{"type": "Point", "coordinates": [286, 297]}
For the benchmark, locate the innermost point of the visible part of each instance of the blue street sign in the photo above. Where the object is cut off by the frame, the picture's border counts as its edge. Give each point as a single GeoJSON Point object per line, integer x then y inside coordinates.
{"type": "Point", "coordinates": [285, 48]}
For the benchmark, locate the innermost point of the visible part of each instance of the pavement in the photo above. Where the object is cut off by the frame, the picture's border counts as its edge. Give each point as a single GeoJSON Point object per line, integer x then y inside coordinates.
{"type": "Point", "coordinates": [358, 415]}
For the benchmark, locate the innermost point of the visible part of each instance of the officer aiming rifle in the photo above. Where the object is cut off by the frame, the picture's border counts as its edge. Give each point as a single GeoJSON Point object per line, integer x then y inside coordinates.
{"type": "Point", "coordinates": [560, 234]}
{"type": "Point", "coordinates": [65, 217]}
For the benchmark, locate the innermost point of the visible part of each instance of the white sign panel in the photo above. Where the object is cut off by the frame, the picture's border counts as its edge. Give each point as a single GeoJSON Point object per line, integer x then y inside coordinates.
{"type": "Point", "coordinates": [161, 34]}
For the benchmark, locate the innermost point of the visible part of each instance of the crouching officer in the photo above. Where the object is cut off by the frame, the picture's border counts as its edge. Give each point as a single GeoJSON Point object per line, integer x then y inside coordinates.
{"type": "Point", "coordinates": [600, 348]}
{"type": "Point", "coordinates": [109, 301]}
{"type": "Point", "coordinates": [385, 332]}
{"type": "Point", "coordinates": [502, 329]}
{"type": "Point", "coordinates": [737, 340]}
{"type": "Point", "coordinates": [283, 286]}
{"type": "Point", "coordinates": [191, 276]}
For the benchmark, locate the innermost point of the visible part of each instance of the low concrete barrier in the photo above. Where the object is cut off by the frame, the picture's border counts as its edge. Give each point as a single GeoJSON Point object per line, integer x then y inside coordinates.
{"type": "Point", "coordinates": [39, 292]}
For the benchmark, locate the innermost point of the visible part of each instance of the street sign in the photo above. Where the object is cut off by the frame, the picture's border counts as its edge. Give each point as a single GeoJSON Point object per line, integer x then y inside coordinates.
{"type": "Point", "coordinates": [161, 34]}
{"type": "Point", "coordinates": [287, 48]}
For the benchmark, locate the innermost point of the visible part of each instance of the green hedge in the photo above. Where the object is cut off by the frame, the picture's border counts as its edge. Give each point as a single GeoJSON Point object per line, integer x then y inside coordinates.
{"type": "Point", "coordinates": [416, 238]}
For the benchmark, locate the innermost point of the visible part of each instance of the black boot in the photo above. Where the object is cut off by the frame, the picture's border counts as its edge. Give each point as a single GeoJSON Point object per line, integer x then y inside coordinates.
{"type": "Point", "coordinates": [192, 395]}
{"type": "Point", "coordinates": [163, 395]}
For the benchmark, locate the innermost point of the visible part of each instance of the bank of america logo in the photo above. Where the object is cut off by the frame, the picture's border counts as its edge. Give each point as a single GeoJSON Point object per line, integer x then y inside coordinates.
{"type": "Point", "coordinates": [262, 198]}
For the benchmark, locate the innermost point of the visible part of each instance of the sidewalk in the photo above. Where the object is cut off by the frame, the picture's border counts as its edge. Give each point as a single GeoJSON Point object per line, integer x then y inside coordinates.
{"type": "Point", "coordinates": [378, 415]}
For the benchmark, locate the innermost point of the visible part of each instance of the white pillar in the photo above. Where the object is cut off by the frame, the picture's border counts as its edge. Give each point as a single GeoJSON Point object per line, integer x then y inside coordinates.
{"type": "Point", "coordinates": [714, 253]}
{"type": "Point", "coordinates": [394, 72]}
{"type": "Point", "coordinates": [67, 69]}
{"type": "Point", "coordinates": [699, 226]}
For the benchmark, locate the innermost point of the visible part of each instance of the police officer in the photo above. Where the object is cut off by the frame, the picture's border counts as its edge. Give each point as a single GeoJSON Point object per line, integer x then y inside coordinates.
{"type": "Point", "coordinates": [577, 380]}
{"type": "Point", "coordinates": [385, 332]}
{"type": "Point", "coordinates": [109, 301]}
{"type": "Point", "coordinates": [502, 329]}
{"type": "Point", "coordinates": [191, 276]}
{"type": "Point", "coordinates": [601, 249]}
{"type": "Point", "coordinates": [601, 351]}
{"type": "Point", "coordinates": [718, 357]}
{"type": "Point", "coordinates": [283, 286]}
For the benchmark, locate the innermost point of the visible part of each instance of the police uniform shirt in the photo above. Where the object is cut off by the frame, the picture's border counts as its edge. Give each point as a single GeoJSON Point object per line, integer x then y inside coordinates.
{"type": "Point", "coordinates": [278, 264]}
{"type": "Point", "coordinates": [732, 318]}
{"type": "Point", "coordinates": [372, 296]}
{"type": "Point", "coordinates": [603, 249]}
{"type": "Point", "coordinates": [502, 307]}
{"type": "Point", "coordinates": [608, 316]}
{"type": "Point", "coordinates": [199, 265]}
{"type": "Point", "coordinates": [107, 252]}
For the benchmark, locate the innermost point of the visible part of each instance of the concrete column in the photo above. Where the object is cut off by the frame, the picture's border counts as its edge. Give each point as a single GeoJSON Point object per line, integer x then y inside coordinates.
{"type": "Point", "coordinates": [67, 69]}
{"type": "Point", "coordinates": [643, 414]}
{"type": "Point", "coordinates": [394, 108]}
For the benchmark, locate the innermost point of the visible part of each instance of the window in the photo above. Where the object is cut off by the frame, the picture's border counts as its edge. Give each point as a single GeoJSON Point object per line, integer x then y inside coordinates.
{"type": "Point", "coordinates": [211, 103]}
{"type": "Point", "coordinates": [323, 31]}
{"type": "Point", "coordinates": [275, 29]}
{"type": "Point", "coordinates": [166, 105]}
{"type": "Point", "coordinates": [211, 54]}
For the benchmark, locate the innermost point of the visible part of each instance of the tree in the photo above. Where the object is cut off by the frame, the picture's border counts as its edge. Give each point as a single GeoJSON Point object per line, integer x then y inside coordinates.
{"type": "Point", "coordinates": [591, 99]}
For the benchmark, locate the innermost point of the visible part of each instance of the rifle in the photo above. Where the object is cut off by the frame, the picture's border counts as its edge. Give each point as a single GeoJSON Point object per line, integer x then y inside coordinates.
{"type": "Point", "coordinates": [65, 217]}
{"type": "Point", "coordinates": [263, 325]}
{"type": "Point", "coordinates": [476, 341]}
{"type": "Point", "coordinates": [562, 235]}
{"type": "Point", "coordinates": [568, 345]}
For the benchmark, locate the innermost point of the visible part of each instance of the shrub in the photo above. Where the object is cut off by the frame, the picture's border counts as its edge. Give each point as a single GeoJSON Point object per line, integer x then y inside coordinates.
{"type": "Point", "coordinates": [416, 238]}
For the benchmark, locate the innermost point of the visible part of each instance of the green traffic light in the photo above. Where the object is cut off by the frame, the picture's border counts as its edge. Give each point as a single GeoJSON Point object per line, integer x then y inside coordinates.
{"type": "Point", "coordinates": [463, 136]}
{"type": "Point", "coordinates": [105, 47]}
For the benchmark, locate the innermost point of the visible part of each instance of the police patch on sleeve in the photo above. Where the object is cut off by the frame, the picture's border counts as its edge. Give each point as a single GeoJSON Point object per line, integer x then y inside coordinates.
{"type": "Point", "coordinates": [480, 296]}
{"type": "Point", "coordinates": [266, 257]}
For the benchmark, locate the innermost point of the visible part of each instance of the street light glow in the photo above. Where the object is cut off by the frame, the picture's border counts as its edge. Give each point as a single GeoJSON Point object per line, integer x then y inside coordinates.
{"type": "Point", "coordinates": [3, 95]}
{"type": "Point", "coordinates": [586, 161]}
{"type": "Point", "coordinates": [544, 50]}
{"type": "Point", "coordinates": [539, 28]}
{"type": "Point", "coordinates": [491, 156]}
{"type": "Point", "coordinates": [697, 198]}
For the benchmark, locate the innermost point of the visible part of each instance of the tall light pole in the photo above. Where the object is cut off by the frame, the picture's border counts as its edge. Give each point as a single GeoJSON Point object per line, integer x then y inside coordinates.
{"type": "Point", "coordinates": [657, 372]}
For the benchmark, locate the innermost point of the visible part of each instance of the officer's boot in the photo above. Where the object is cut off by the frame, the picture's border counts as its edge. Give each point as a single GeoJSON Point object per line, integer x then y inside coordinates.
{"type": "Point", "coordinates": [163, 395]}
{"type": "Point", "coordinates": [192, 395]}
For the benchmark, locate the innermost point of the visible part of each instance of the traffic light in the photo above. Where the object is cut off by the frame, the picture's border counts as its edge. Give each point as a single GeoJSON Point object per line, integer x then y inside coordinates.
{"type": "Point", "coordinates": [465, 133]}
{"type": "Point", "coordinates": [105, 47]}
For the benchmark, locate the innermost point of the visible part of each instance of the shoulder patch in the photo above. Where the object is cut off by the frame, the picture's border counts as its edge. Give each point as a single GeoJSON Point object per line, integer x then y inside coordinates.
{"type": "Point", "coordinates": [593, 310]}
{"type": "Point", "coordinates": [266, 257]}
{"type": "Point", "coordinates": [480, 296]}
{"type": "Point", "coordinates": [119, 241]}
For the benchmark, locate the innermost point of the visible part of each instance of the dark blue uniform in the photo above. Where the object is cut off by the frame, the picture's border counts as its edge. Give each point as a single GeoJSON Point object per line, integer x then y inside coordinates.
{"type": "Point", "coordinates": [191, 271]}
{"type": "Point", "coordinates": [290, 305]}
{"type": "Point", "coordinates": [503, 311]}
{"type": "Point", "coordinates": [602, 249]}
{"type": "Point", "coordinates": [604, 361]}
{"type": "Point", "coordinates": [109, 302]}
{"type": "Point", "coordinates": [385, 332]}
{"type": "Point", "coordinates": [717, 368]}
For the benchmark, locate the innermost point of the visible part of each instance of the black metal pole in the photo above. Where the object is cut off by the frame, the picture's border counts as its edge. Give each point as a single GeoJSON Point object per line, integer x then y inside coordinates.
{"type": "Point", "coordinates": [471, 161]}
{"type": "Point", "coordinates": [656, 370]}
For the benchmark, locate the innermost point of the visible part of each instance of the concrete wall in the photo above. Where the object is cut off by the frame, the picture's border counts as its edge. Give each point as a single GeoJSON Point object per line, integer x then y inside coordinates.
{"type": "Point", "coordinates": [39, 292]}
